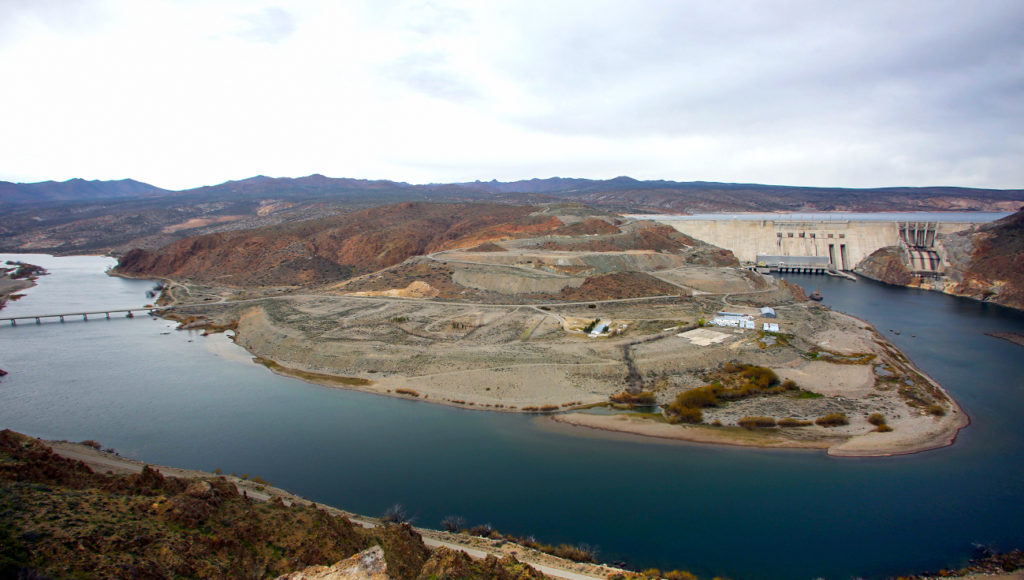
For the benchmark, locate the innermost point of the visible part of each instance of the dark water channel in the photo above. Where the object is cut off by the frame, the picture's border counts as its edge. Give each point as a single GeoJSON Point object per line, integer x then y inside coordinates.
{"type": "Point", "coordinates": [179, 399]}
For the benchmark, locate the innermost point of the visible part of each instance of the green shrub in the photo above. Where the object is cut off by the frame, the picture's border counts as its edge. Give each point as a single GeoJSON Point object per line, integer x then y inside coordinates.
{"type": "Point", "coordinates": [937, 410]}
{"type": "Point", "coordinates": [793, 422]}
{"type": "Point", "coordinates": [876, 419]}
{"type": "Point", "coordinates": [832, 420]}
{"type": "Point", "coordinates": [883, 428]}
{"type": "Point", "coordinates": [408, 392]}
{"type": "Point", "coordinates": [756, 422]}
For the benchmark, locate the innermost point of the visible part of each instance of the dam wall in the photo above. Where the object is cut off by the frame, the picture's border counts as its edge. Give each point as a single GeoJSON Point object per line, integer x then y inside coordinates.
{"type": "Point", "coordinates": [844, 243]}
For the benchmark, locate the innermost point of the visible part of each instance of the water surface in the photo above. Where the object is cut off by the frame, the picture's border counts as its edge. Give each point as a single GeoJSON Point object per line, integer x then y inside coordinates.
{"type": "Point", "coordinates": [177, 398]}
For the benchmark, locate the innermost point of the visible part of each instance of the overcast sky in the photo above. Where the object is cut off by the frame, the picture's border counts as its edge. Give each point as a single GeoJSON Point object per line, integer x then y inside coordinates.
{"type": "Point", "coordinates": [186, 93]}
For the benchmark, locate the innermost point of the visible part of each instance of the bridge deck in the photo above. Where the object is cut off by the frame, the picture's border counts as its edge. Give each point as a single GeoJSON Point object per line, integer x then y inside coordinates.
{"type": "Point", "coordinates": [62, 314]}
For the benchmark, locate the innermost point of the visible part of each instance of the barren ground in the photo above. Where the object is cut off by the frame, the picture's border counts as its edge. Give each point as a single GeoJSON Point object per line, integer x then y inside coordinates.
{"type": "Point", "coordinates": [473, 329]}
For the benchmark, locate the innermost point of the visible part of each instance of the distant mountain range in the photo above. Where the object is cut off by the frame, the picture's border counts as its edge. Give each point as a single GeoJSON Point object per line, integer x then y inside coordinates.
{"type": "Point", "coordinates": [79, 216]}
{"type": "Point", "coordinates": [620, 193]}
{"type": "Point", "coordinates": [74, 190]}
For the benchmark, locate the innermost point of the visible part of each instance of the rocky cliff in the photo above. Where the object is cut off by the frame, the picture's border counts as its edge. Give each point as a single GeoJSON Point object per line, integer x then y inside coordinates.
{"type": "Point", "coordinates": [988, 263]}
{"type": "Point", "coordinates": [887, 265]}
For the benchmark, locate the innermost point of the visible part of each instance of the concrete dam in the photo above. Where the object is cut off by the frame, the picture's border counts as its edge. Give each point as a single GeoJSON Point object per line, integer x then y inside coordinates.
{"type": "Point", "coordinates": [809, 245]}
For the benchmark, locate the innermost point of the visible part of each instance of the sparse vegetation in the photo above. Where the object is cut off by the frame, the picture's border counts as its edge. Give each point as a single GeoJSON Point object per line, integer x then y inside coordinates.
{"type": "Point", "coordinates": [395, 514]}
{"type": "Point", "coordinates": [453, 523]}
{"type": "Point", "coordinates": [936, 410]}
{"type": "Point", "coordinates": [733, 382]}
{"type": "Point", "coordinates": [407, 392]}
{"type": "Point", "coordinates": [794, 422]}
{"type": "Point", "coordinates": [832, 420]}
{"type": "Point", "coordinates": [642, 398]}
{"type": "Point", "coordinates": [756, 422]}
{"type": "Point", "coordinates": [876, 419]}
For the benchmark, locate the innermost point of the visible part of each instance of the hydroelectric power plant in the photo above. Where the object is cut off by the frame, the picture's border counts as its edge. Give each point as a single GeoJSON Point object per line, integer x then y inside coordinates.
{"type": "Point", "coordinates": [818, 243]}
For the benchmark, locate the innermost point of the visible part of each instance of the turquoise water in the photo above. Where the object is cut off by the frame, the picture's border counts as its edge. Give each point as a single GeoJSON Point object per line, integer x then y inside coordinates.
{"type": "Point", "coordinates": [177, 398]}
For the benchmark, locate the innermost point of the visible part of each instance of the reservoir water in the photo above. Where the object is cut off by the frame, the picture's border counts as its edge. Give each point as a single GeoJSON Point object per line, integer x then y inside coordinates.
{"type": "Point", "coordinates": [176, 398]}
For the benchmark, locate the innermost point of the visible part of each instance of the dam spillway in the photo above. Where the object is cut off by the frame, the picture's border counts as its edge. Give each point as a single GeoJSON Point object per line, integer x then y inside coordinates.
{"type": "Point", "coordinates": [844, 243]}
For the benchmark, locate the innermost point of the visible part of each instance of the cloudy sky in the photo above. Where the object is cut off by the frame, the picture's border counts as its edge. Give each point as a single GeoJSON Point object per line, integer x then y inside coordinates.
{"type": "Point", "coordinates": [183, 93]}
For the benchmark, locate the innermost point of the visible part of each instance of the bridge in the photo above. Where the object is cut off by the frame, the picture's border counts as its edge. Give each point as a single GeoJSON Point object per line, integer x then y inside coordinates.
{"type": "Point", "coordinates": [38, 318]}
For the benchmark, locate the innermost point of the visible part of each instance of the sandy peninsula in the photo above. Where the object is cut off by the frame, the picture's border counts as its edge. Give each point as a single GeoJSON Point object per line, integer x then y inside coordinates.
{"type": "Point", "coordinates": [560, 325]}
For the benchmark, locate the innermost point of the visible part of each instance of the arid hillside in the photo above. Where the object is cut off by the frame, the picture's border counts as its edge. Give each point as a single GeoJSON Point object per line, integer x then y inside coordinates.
{"type": "Point", "coordinates": [62, 520]}
{"type": "Point", "coordinates": [984, 263]}
{"type": "Point", "coordinates": [95, 217]}
{"type": "Point", "coordinates": [988, 264]}
{"type": "Point", "coordinates": [335, 248]}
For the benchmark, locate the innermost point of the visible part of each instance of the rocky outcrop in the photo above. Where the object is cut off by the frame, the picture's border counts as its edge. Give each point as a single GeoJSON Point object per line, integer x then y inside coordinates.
{"type": "Point", "coordinates": [988, 263]}
{"type": "Point", "coordinates": [887, 265]}
{"type": "Point", "coordinates": [984, 262]}
{"type": "Point", "coordinates": [366, 565]}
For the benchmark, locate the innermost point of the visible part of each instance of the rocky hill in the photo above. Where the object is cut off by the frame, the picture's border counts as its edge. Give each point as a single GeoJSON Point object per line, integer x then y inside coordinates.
{"type": "Point", "coordinates": [62, 520]}
{"type": "Point", "coordinates": [984, 263]}
{"type": "Point", "coordinates": [335, 248]}
{"type": "Point", "coordinates": [988, 263]}
{"type": "Point", "coordinates": [78, 216]}
{"type": "Point", "coordinates": [74, 190]}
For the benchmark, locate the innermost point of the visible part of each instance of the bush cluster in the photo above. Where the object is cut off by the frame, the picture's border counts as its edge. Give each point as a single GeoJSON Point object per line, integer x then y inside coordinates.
{"type": "Point", "coordinates": [576, 553]}
{"type": "Point", "coordinates": [756, 422]}
{"type": "Point", "coordinates": [735, 382]}
{"type": "Point", "coordinates": [832, 420]}
{"type": "Point", "coordinates": [641, 398]}
{"type": "Point", "coordinates": [793, 422]}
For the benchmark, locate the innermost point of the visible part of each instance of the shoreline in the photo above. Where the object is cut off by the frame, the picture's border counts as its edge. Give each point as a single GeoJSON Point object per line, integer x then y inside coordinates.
{"type": "Point", "coordinates": [11, 288]}
{"type": "Point", "coordinates": [914, 431]}
{"type": "Point", "coordinates": [474, 546]}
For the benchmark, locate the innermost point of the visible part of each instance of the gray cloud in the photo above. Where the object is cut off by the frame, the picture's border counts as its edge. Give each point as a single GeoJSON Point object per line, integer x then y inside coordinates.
{"type": "Point", "coordinates": [670, 68]}
{"type": "Point", "coordinates": [271, 25]}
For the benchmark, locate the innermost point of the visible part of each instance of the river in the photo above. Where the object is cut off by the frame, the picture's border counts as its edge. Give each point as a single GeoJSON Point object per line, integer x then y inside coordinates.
{"type": "Point", "coordinates": [177, 398]}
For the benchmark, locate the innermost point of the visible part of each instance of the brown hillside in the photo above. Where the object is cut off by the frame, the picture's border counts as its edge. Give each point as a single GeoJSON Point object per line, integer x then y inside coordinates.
{"type": "Point", "coordinates": [331, 249]}
{"type": "Point", "coordinates": [645, 237]}
{"type": "Point", "coordinates": [620, 285]}
{"type": "Point", "coordinates": [995, 271]}
{"type": "Point", "coordinates": [62, 520]}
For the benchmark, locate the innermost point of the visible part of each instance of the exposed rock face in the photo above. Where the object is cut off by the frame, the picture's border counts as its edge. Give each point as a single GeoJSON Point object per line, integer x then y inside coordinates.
{"type": "Point", "coordinates": [335, 248]}
{"type": "Point", "coordinates": [887, 265]}
{"type": "Point", "coordinates": [988, 263]}
{"type": "Point", "coordinates": [446, 563]}
{"type": "Point", "coordinates": [984, 263]}
{"type": "Point", "coordinates": [366, 565]}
